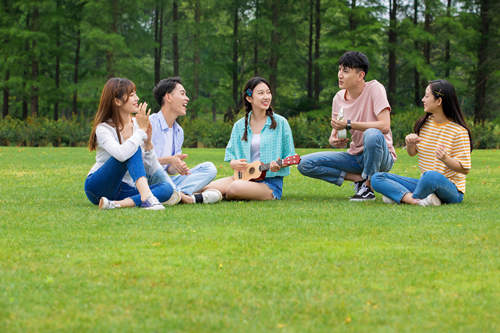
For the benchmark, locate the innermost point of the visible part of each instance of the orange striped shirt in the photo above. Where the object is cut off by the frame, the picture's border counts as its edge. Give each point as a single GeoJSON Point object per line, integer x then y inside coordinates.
{"type": "Point", "coordinates": [456, 140]}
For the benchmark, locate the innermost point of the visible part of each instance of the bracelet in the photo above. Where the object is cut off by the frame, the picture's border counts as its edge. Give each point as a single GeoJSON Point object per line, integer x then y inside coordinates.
{"type": "Point", "coordinates": [348, 126]}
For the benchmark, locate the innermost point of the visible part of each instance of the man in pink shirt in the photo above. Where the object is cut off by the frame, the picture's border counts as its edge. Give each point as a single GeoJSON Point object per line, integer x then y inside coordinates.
{"type": "Point", "coordinates": [366, 114]}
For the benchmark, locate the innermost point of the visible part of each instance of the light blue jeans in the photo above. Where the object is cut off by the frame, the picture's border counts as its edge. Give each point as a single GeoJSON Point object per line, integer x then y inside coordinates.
{"type": "Point", "coordinates": [332, 166]}
{"type": "Point", "coordinates": [200, 176]}
{"type": "Point", "coordinates": [395, 186]}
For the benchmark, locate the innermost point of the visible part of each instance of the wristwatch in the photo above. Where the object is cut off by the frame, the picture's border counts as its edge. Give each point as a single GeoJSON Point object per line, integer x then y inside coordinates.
{"type": "Point", "coordinates": [348, 126]}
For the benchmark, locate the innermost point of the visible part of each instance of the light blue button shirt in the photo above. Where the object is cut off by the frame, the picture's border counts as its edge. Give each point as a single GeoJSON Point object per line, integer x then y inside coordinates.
{"type": "Point", "coordinates": [160, 128]}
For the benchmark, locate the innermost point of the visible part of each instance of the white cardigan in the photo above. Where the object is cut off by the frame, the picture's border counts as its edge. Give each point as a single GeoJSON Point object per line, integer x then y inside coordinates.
{"type": "Point", "coordinates": [108, 146]}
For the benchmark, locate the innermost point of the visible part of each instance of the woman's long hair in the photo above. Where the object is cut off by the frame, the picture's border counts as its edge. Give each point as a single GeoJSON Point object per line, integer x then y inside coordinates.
{"type": "Point", "coordinates": [451, 109]}
{"type": "Point", "coordinates": [248, 91]}
{"type": "Point", "coordinates": [108, 110]}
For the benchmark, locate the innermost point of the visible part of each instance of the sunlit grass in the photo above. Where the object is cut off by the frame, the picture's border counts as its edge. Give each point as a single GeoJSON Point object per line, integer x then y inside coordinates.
{"type": "Point", "coordinates": [311, 262]}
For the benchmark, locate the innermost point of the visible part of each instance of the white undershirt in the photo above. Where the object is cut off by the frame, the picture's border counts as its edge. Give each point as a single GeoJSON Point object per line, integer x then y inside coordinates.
{"type": "Point", "coordinates": [255, 148]}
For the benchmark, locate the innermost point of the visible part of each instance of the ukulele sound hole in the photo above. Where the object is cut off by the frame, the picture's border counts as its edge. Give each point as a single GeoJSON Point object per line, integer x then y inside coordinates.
{"type": "Point", "coordinates": [251, 170]}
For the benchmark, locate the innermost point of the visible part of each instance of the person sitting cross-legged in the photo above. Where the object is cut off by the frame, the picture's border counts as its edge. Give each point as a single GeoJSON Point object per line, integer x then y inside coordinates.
{"type": "Point", "coordinates": [168, 138]}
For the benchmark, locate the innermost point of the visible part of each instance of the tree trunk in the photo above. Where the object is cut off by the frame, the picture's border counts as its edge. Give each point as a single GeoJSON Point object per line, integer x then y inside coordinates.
{"type": "Point", "coordinates": [236, 103]}
{"type": "Point", "coordinates": [110, 66]}
{"type": "Point", "coordinates": [427, 43]}
{"type": "Point", "coordinates": [316, 52]}
{"type": "Point", "coordinates": [175, 42]}
{"type": "Point", "coordinates": [391, 93]}
{"type": "Point", "coordinates": [34, 66]}
{"type": "Point", "coordinates": [75, 71]}
{"type": "Point", "coordinates": [310, 51]}
{"type": "Point", "coordinates": [58, 63]}
{"type": "Point", "coordinates": [196, 67]}
{"type": "Point", "coordinates": [256, 41]}
{"type": "Point", "coordinates": [416, 74]}
{"type": "Point", "coordinates": [352, 21]}
{"type": "Point", "coordinates": [158, 27]}
{"type": "Point", "coordinates": [482, 65]}
{"type": "Point", "coordinates": [6, 94]}
{"type": "Point", "coordinates": [447, 45]}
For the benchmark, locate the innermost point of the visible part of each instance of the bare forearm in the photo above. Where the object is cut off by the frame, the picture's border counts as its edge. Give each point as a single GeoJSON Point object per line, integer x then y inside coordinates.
{"type": "Point", "coordinates": [455, 165]}
{"type": "Point", "coordinates": [362, 126]}
{"type": "Point", "coordinates": [411, 149]}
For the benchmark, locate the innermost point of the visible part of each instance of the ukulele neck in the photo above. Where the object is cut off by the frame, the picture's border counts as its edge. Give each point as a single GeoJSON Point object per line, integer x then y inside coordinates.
{"type": "Point", "coordinates": [267, 166]}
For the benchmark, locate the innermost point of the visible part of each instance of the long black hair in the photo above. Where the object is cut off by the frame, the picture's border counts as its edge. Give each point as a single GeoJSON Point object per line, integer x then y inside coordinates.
{"type": "Point", "coordinates": [248, 91]}
{"type": "Point", "coordinates": [451, 109]}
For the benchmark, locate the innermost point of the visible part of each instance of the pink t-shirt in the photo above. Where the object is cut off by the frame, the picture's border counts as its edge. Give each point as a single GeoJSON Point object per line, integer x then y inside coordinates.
{"type": "Point", "coordinates": [366, 107]}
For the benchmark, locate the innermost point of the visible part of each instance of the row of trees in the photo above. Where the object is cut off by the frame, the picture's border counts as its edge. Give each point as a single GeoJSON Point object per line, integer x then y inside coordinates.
{"type": "Point", "coordinates": [56, 54]}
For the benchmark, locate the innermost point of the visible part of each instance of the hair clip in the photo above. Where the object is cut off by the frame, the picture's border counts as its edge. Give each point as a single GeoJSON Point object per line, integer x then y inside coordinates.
{"type": "Point", "coordinates": [249, 92]}
{"type": "Point", "coordinates": [438, 93]}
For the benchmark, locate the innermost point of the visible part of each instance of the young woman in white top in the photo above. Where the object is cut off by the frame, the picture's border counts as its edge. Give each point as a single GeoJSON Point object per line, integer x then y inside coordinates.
{"type": "Point", "coordinates": [124, 152]}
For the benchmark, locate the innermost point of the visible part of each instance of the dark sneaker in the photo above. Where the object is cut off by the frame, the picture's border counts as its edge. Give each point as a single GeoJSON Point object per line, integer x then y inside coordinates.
{"type": "Point", "coordinates": [364, 193]}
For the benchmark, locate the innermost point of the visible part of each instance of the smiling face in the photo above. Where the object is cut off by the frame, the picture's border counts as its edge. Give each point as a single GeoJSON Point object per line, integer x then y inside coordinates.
{"type": "Point", "coordinates": [349, 77]}
{"type": "Point", "coordinates": [261, 97]}
{"type": "Point", "coordinates": [431, 103]}
{"type": "Point", "coordinates": [177, 100]}
{"type": "Point", "coordinates": [131, 105]}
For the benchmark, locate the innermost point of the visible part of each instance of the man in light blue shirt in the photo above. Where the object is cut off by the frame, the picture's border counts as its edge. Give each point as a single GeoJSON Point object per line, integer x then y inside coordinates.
{"type": "Point", "coordinates": [167, 139]}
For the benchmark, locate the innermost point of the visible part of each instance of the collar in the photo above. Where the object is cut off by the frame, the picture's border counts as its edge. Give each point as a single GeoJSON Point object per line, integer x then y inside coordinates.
{"type": "Point", "coordinates": [164, 126]}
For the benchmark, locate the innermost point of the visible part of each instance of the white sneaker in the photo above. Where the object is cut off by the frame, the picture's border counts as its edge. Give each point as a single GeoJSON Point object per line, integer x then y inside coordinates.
{"type": "Point", "coordinates": [152, 203]}
{"type": "Point", "coordinates": [387, 200]}
{"type": "Point", "coordinates": [211, 196]}
{"type": "Point", "coordinates": [174, 199]}
{"type": "Point", "coordinates": [105, 203]}
{"type": "Point", "coordinates": [431, 200]}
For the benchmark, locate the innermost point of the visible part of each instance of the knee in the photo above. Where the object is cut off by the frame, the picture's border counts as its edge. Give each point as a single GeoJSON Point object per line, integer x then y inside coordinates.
{"type": "Point", "coordinates": [210, 169]}
{"type": "Point", "coordinates": [234, 189]}
{"type": "Point", "coordinates": [431, 176]}
{"type": "Point", "coordinates": [372, 138]}
{"type": "Point", "coordinates": [377, 178]}
{"type": "Point", "coordinates": [305, 166]}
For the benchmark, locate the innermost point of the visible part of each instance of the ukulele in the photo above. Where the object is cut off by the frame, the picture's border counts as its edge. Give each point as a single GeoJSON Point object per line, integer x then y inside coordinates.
{"type": "Point", "coordinates": [257, 170]}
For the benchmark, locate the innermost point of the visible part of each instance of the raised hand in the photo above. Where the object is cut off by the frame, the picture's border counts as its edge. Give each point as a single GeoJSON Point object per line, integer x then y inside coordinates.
{"type": "Point", "coordinates": [412, 139]}
{"type": "Point", "coordinates": [441, 153]}
{"type": "Point", "coordinates": [142, 116]}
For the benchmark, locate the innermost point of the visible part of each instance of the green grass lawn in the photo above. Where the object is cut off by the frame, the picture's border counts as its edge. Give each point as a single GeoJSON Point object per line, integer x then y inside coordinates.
{"type": "Point", "coordinates": [312, 262]}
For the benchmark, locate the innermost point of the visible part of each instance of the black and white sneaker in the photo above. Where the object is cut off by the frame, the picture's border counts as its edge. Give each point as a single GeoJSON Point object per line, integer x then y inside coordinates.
{"type": "Point", "coordinates": [364, 193]}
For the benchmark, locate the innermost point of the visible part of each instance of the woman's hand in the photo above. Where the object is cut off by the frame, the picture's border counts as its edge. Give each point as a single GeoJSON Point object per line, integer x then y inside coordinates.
{"type": "Point", "coordinates": [412, 139]}
{"type": "Point", "coordinates": [275, 167]}
{"type": "Point", "coordinates": [238, 164]}
{"type": "Point", "coordinates": [441, 153]}
{"type": "Point", "coordinates": [142, 117]}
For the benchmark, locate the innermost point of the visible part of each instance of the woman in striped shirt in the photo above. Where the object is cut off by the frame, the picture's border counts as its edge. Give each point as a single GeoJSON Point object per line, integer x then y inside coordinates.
{"type": "Point", "coordinates": [443, 143]}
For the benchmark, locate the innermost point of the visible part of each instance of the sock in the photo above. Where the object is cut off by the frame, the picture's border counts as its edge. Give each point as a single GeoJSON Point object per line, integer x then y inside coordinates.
{"type": "Point", "coordinates": [198, 198]}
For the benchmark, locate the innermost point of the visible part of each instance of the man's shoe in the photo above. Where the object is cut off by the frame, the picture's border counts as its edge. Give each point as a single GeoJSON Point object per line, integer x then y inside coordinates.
{"type": "Point", "coordinates": [152, 203]}
{"type": "Point", "coordinates": [174, 199]}
{"type": "Point", "coordinates": [431, 200]}
{"type": "Point", "coordinates": [364, 193]}
{"type": "Point", "coordinates": [387, 200]}
{"type": "Point", "coordinates": [105, 203]}
{"type": "Point", "coordinates": [211, 196]}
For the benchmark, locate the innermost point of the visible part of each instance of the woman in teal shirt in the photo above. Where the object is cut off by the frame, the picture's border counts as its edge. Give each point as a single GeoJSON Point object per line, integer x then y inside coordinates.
{"type": "Point", "coordinates": [261, 136]}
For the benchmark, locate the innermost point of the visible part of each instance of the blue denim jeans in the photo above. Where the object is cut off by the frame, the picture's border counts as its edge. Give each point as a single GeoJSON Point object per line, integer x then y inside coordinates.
{"type": "Point", "coordinates": [200, 176]}
{"type": "Point", "coordinates": [395, 186]}
{"type": "Point", "coordinates": [332, 166]}
{"type": "Point", "coordinates": [107, 181]}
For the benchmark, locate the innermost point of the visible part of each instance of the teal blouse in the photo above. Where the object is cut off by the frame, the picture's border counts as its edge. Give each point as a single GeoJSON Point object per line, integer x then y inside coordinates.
{"type": "Point", "coordinates": [274, 143]}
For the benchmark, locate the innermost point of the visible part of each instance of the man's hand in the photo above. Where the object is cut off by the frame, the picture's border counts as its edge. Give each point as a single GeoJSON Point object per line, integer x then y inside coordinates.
{"type": "Point", "coordinates": [142, 117]}
{"type": "Point", "coordinates": [339, 124]}
{"type": "Point", "coordinates": [238, 164]}
{"type": "Point", "coordinates": [339, 143]}
{"type": "Point", "coordinates": [178, 165]}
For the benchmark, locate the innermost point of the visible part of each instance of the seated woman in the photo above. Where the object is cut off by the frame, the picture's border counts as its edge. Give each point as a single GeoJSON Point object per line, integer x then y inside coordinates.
{"type": "Point", "coordinates": [261, 136]}
{"type": "Point", "coordinates": [124, 152]}
{"type": "Point", "coordinates": [443, 143]}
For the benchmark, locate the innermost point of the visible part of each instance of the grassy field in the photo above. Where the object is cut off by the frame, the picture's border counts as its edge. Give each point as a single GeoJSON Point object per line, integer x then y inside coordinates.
{"type": "Point", "coordinates": [312, 262]}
